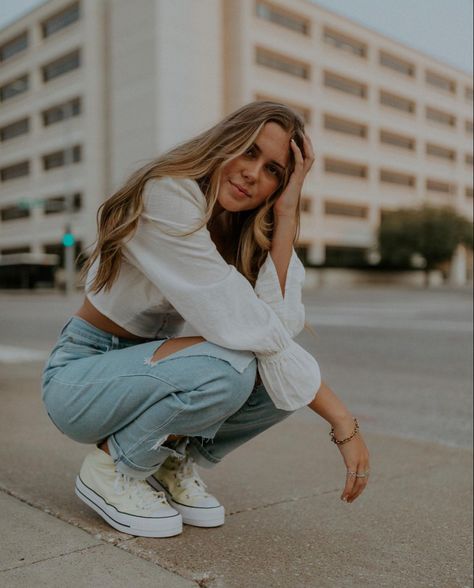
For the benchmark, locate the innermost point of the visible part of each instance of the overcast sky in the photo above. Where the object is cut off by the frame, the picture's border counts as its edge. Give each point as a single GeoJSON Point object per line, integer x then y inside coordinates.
{"type": "Point", "coordinates": [441, 28]}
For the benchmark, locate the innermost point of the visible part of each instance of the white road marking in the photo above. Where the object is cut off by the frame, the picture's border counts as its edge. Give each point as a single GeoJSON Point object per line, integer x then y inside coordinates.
{"type": "Point", "coordinates": [9, 354]}
{"type": "Point", "coordinates": [372, 321]}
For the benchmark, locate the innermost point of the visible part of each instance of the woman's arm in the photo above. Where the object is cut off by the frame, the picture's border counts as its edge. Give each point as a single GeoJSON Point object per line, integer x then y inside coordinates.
{"type": "Point", "coordinates": [354, 452]}
{"type": "Point", "coordinates": [282, 246]}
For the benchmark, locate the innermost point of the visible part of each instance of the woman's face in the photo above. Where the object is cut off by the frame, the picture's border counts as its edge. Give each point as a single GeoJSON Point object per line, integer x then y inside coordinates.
{"type": "Point", "coordinates": [249, 179]}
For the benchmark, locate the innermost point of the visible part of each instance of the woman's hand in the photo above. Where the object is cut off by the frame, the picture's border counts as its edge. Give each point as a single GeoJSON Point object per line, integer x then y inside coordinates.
{"type": "Point", "coordinates": [288, 202]}
{"type": "Point", "coordinates": [356, 459]}
{"type": "Point", "coordinates": [354, 452]}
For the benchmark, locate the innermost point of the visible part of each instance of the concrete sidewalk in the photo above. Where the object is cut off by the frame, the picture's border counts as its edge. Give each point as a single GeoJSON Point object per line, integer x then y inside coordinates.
{"type": "Point", "coordinates": [285, 525]}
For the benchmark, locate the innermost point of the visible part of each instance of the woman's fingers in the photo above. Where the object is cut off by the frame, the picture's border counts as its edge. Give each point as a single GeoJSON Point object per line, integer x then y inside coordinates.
{"type": "Point", "coordinates": [356, 460]}
{"type": "Point", "coordinates": [350, 482]}
{"type": "Point", "coordinates": [357, 489]}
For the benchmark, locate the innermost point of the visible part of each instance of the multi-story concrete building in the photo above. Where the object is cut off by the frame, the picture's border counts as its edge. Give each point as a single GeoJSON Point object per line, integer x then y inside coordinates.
{"type": "Point", "coordinates": [92, 89]}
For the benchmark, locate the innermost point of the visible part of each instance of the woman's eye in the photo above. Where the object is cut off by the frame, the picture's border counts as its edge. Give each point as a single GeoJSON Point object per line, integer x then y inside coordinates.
{"type": "Point", "coordinates": [250, 151]}
{"type": "Point", "coordinates": [274, 171]}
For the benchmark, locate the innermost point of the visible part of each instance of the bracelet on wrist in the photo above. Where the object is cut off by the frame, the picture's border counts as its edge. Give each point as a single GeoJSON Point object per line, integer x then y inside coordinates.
{"type": "Point", "coordinates": [342, 441]}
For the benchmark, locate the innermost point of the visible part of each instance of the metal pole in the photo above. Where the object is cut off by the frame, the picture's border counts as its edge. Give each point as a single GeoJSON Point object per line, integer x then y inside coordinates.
{"type": "Point", "coordinates": [69, 267]}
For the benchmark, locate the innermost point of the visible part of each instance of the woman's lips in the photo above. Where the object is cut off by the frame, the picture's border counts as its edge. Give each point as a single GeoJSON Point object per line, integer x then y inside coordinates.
{"type": "Point", "coordinates": [238, 191]}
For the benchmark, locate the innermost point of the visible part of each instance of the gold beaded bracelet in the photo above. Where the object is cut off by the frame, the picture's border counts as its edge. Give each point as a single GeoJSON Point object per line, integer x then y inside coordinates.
{"type": "Point", "coordinates": [333, 437]}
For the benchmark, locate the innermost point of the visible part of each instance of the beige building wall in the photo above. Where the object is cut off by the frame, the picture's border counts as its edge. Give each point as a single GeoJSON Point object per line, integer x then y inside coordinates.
{"type": "Point", "coordinates": [42, 189]}
{"type": "Point", "coordinates": [391, 126]}
{"type": "Point", "coordinates": [329, 68]}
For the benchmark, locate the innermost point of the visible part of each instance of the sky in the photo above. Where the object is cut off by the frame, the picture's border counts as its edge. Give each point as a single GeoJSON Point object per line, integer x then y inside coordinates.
{"type": "Point", "coordinates": [440, 28]}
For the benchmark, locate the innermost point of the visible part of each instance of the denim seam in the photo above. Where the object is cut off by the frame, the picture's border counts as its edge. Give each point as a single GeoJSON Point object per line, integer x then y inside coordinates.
{"type": "Point", "coordinates": [89, 339]}
{"type": "Point", "coordinates": [57, 379]}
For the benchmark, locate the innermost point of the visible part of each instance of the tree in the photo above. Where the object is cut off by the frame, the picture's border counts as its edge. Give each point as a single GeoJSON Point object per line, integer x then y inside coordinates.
{"type": "Point", "coordinates": [431, 232]}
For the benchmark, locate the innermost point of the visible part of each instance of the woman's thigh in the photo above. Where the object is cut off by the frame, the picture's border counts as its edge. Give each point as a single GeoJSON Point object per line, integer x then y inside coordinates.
{"type": "Point", "coordinates": [91, 395]}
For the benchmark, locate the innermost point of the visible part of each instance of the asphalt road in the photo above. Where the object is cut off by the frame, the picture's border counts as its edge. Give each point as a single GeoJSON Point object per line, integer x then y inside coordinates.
{"type": "Point", "coordinates": [401, 358]}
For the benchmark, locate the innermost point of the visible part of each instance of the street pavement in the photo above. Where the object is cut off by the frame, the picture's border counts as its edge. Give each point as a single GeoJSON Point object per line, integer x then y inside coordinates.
{"type": "Point", "coordinates": [402, 361]}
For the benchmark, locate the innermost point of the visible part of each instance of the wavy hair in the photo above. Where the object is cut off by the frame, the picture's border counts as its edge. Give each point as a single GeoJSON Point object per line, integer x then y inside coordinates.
{"type": "Point", "coordinates": [244, 237]}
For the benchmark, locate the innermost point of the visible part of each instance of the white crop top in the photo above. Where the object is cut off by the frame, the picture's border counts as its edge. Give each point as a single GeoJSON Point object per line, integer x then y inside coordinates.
{"type": "Point", "coordinates": [165, 280]}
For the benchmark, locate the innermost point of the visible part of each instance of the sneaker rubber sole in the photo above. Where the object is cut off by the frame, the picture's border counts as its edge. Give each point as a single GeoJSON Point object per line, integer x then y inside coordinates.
{"type": "Point", "coordinates": [198, 516]}
{"type": "Point", "coordinates": [141, 526]}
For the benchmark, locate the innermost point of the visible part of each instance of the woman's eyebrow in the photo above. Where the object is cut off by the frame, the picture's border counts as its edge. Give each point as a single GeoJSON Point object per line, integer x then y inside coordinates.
{"type": "Point", "coordinates": [273, 161]}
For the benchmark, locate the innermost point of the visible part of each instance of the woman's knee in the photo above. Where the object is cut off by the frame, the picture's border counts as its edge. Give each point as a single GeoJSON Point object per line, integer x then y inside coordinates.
{"type": "Point", "coordinates": [239, 385]}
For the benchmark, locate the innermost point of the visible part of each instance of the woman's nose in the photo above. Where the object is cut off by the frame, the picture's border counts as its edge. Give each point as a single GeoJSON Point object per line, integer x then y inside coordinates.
{"type": "Point", "coordinates": [251, 170]}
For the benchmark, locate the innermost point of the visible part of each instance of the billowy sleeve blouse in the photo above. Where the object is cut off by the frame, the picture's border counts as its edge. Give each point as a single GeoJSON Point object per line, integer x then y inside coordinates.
{"type": "Point", "coordinates": [216, 299]}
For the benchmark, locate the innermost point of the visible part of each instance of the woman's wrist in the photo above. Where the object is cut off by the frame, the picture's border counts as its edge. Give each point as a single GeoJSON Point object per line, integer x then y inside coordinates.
{"type": "Point", "coordinates": [332, 409]}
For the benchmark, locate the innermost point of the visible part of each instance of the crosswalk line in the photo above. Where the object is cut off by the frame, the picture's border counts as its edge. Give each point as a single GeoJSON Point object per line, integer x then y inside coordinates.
{"type": "Point", "coordinates": [10, 354]}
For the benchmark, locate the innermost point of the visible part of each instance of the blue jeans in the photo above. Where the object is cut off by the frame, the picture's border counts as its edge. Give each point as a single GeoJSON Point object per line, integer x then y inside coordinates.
{"type": "Point", "coordinates": [97, 386]}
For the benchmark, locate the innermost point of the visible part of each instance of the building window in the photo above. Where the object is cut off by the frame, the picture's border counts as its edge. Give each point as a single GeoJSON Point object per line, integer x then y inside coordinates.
{"type": "Point", "coordinates": [58, 249]}
{"type": "Point", "coordinates": [438, 186]}
{"type": "Point", "coordinates": [305, 113]}
{"type": "Point", "coordinates": [345, 43]}
{"type": "Point", "coordinates": [61, 112]}
{"type": "Point", "coordinates": [346, 85]}
{"type": "Point", "coordinates": [468, 125]}
{"type": "Point", "coordinates": [13, 88]}
{"type": "Point", "coordinates": [14, 46]}
{"type": "Point", "coordinates": [15, 250]}
{"type": "Point", "coordinates": [398, 102]}
{"type": "Point", "coordinates": [343, 125]}
{"type": "Point", "coordinates": [61, 66]}
{"type": "Point", "coordinates": [332, 208]}
{"type": "Point", "coordinates": [14, 212]}
{"type": "Point", "coordinates": [62, 158]}
{"type": "Point", "coordinates": [345, 256]}
{"type": "Point", "coordinates": [58, 204]}
{"type": "Point", "coordinates": [283, 18]}
{"type": "Point", "coordinates": [282, 63]}
{"type": "Point", "coordinates": [397, 64]}
{"type": "Point", "coordinates": [434, 79]}
{"type": "Point", "coordinates": [306, 204]}
{"type": "Point", "coordinates": [345, 168]}
{"type": "Point", "coordinates": [302, 251]}
{"type": "Point", "coordinates": [60, 20]}
{"type": "Point", "coordinates": [440, 117]}
{"type": "Point", "coordinates": [392, 177]}
{"type": "Point", "coordinates": [14, 129]}
{"type": "Point", "coordinates": [469, 192]}
{"type": "Point", "coordinates": [468, 159]}
{"type": "Point", "coordinates": [12, 172]}
{"type": "Point", "coordinates": [469, 93]}
{"type": "Point", "coordinates": [397, 140]}
{"type": "Point", "coordinates": [441, 152]}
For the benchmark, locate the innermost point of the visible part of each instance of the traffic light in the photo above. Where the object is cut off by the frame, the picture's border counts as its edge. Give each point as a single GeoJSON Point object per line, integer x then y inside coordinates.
{"type": "Point", "coordinates": [68, 237]}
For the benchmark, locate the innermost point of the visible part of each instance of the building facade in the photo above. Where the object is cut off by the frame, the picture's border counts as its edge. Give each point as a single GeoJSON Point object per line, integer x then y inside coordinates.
{"type": "Point", "coordinates": [92, 89]}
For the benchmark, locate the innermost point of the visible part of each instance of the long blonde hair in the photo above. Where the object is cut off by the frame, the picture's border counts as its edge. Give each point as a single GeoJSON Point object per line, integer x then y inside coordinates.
{"type": "Point", "coordinates": [245, 236]}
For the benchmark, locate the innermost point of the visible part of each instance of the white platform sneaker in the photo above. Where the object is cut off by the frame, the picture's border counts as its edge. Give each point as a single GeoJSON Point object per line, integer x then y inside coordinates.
{"type": "Point", "coordinates": [186, 492]}
{"type": "Point", "coordinates": [127, 504]}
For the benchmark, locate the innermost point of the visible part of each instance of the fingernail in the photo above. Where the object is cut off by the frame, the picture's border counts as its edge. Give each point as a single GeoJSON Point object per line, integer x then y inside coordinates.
{"type": "Point", "coordinates": [344, 498]}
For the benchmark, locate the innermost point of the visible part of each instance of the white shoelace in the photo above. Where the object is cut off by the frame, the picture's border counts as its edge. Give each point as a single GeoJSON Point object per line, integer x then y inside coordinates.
{"type": "Point", "coordinates": [141, 493]}
{"type": "Point", "coordinates": [189, 477]}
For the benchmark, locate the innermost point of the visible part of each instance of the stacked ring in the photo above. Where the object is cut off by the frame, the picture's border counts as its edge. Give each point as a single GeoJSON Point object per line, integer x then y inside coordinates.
{"type": "Point", "coordinates": [362, 475]}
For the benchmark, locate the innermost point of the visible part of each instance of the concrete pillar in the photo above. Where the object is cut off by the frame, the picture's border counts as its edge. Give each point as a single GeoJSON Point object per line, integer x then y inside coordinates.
{"type": "Point", "coordinates": [458, 269]}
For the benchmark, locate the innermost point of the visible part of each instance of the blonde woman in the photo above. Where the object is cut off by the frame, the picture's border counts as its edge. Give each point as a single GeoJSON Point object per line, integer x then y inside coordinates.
{"type": "Point", "coordinates": [203, 234]}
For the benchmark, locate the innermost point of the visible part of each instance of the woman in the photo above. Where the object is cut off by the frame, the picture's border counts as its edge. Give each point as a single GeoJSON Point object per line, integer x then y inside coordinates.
{"type": "Point", "coordinates": [204, 234]}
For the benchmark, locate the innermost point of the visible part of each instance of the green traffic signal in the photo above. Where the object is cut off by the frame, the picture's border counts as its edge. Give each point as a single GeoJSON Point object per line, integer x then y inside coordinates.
{"type": "Point", "coordinates": [68, 240]}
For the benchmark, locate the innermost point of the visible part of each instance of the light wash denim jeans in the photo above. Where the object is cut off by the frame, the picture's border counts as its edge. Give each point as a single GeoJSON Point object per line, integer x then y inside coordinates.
{"type": "Point", "coordinates": [98, 386]}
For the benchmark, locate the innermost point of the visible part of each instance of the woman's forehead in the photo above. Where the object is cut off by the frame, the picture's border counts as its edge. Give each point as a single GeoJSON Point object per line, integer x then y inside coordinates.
{"type": "Point", "coordinates": [274, 143]}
